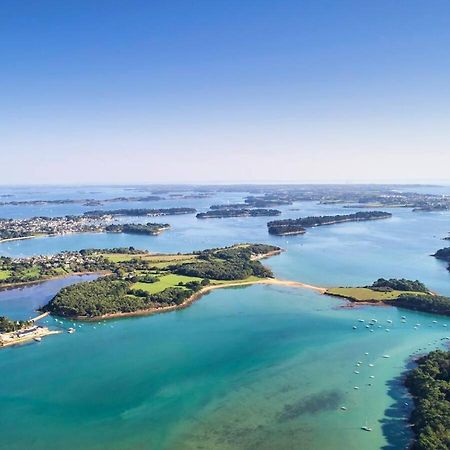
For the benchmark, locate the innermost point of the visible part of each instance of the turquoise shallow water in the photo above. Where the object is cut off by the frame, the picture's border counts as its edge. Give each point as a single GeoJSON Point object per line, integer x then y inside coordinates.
{"type": "Point", "coordinates": [249, 368]}
{"type": "Point", "coordinates": [259, 367]}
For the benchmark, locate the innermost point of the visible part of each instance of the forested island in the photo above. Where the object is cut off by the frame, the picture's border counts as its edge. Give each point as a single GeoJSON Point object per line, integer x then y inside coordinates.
{"type": "Point", "coordinates": [11, 229]}
{"type": "Point", "coordinates": [230, 206]}
{"type": "Point", "coordinates": [140, 282]}
{"type": "Point", "coordinates": [237, 212]}
{"type": "Point", "coordinates": [444, 255]}
{"type": "Point", "coordinates": [402, 293]}
{"type": "Point", "coordinates": [138, 228]}
{"type": "Point", "coordinates": [429, 385]}
{"type": "Point", "coordinates": [298, 226]}
{"type": "Point", "coordinates": [139, 212]}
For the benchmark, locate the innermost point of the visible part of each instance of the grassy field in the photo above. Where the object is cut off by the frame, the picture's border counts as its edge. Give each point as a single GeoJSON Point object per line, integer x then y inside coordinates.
{"type": "Point", "coordinates": [4, 274]}
{"type": "Point", "coordinates": [164, 282]}
{"type": "Point", "coordinates": [60, 271]}
{"type": "Point", "coordinates": [120, 257]}
{"type": "Point", "coordinates": [163, 264]}
{"type": "Point", "coordinates": [159, 261]}
{"type": "Point", "coordinates": [361, 294]}
{"type": "Point", "coordinates": [30, 273]}
{"type": "Point", "coordinates": [172, 280]}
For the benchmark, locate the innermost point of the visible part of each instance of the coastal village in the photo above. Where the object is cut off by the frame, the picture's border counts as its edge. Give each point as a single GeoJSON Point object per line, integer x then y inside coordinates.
{"type": "Point", "coordinates": [11, 229]}
{"type": "Point", "coordinates": [16, 229]}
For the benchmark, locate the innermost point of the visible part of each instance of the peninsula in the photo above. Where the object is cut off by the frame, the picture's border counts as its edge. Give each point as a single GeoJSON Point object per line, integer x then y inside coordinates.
{"type": "Point", "coordinates": [142, 283]}
{"type": "Point", "coordinates": [13, 229]}
{"type": "Point", "coordinates": [298, 226]}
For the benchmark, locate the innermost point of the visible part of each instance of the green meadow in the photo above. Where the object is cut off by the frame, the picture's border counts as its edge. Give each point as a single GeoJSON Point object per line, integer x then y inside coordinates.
{"type": "Point", "coordinates": [362, 294]}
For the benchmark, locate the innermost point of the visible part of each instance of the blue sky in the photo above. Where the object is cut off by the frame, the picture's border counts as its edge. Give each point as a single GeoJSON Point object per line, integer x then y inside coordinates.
{"type": "Point", "coordinates": [224, 91]}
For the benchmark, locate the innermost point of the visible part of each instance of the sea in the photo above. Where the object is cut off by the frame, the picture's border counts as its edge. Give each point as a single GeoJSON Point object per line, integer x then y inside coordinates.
{"type": "Point", "coordinates": [257, 367]}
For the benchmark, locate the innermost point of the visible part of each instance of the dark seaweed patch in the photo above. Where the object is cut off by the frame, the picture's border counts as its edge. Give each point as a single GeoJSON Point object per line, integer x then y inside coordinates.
{"type": "Point", "coordinates": [311, 404]}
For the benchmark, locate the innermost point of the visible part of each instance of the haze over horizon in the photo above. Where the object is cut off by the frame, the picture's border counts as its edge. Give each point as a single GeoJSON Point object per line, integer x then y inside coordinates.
{"type": "Point", "coordinates": [224, 92]}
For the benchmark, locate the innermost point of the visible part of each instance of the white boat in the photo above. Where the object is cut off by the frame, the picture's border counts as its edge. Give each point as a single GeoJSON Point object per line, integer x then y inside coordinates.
{"type": "Point", "coordinates": [366, 427]}
{"type": "Point", "coordinates": [386, 356]}
{"type": "Point", "coordinates": [38, 339]}
{"type": "Point", "coordinates": [356, 372]}
{"type": "Point", "coordinates": [343, 408]}
{"type": "Point", "coordinates": [71, 330]}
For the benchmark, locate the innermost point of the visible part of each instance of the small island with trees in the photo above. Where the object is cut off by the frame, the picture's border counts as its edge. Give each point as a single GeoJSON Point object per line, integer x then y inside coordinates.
{"type": "Point", "coordinates": [298, 226]}
{"type": "Point", "coordinates": [138, 228]}
{"type": "Point", "coordinates": [396, 292]}
{"type": "Point", "coordinates": [237, 212]}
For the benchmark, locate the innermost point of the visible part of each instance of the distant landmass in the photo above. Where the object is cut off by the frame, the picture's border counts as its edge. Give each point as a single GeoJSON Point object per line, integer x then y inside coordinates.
{"type": "Point", "coordinates": [298, 226]}
{"type": "Point", "coordinates": [236, 212]}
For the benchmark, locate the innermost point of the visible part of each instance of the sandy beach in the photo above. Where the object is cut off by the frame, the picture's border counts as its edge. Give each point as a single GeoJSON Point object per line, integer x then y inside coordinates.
{"type": "Point", "coordinates": [200, 294]}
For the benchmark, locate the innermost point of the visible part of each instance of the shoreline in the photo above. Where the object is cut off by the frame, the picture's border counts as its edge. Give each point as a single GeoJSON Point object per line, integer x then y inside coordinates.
{"type": "Point", "coordinates": [17, 238]}
{"type": "Point", "coordinates": [267, 255]}
{"type": "Point", "coordinates": [22, 340]}
{"type": "Point", "coordinates": [36, 236]}
{"type": "Point", "coordinates": [24, 335]}
{"type": "Point", "coordinates": [197, 296]}
{"type": "Point", "coordinates": [5, 287]}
